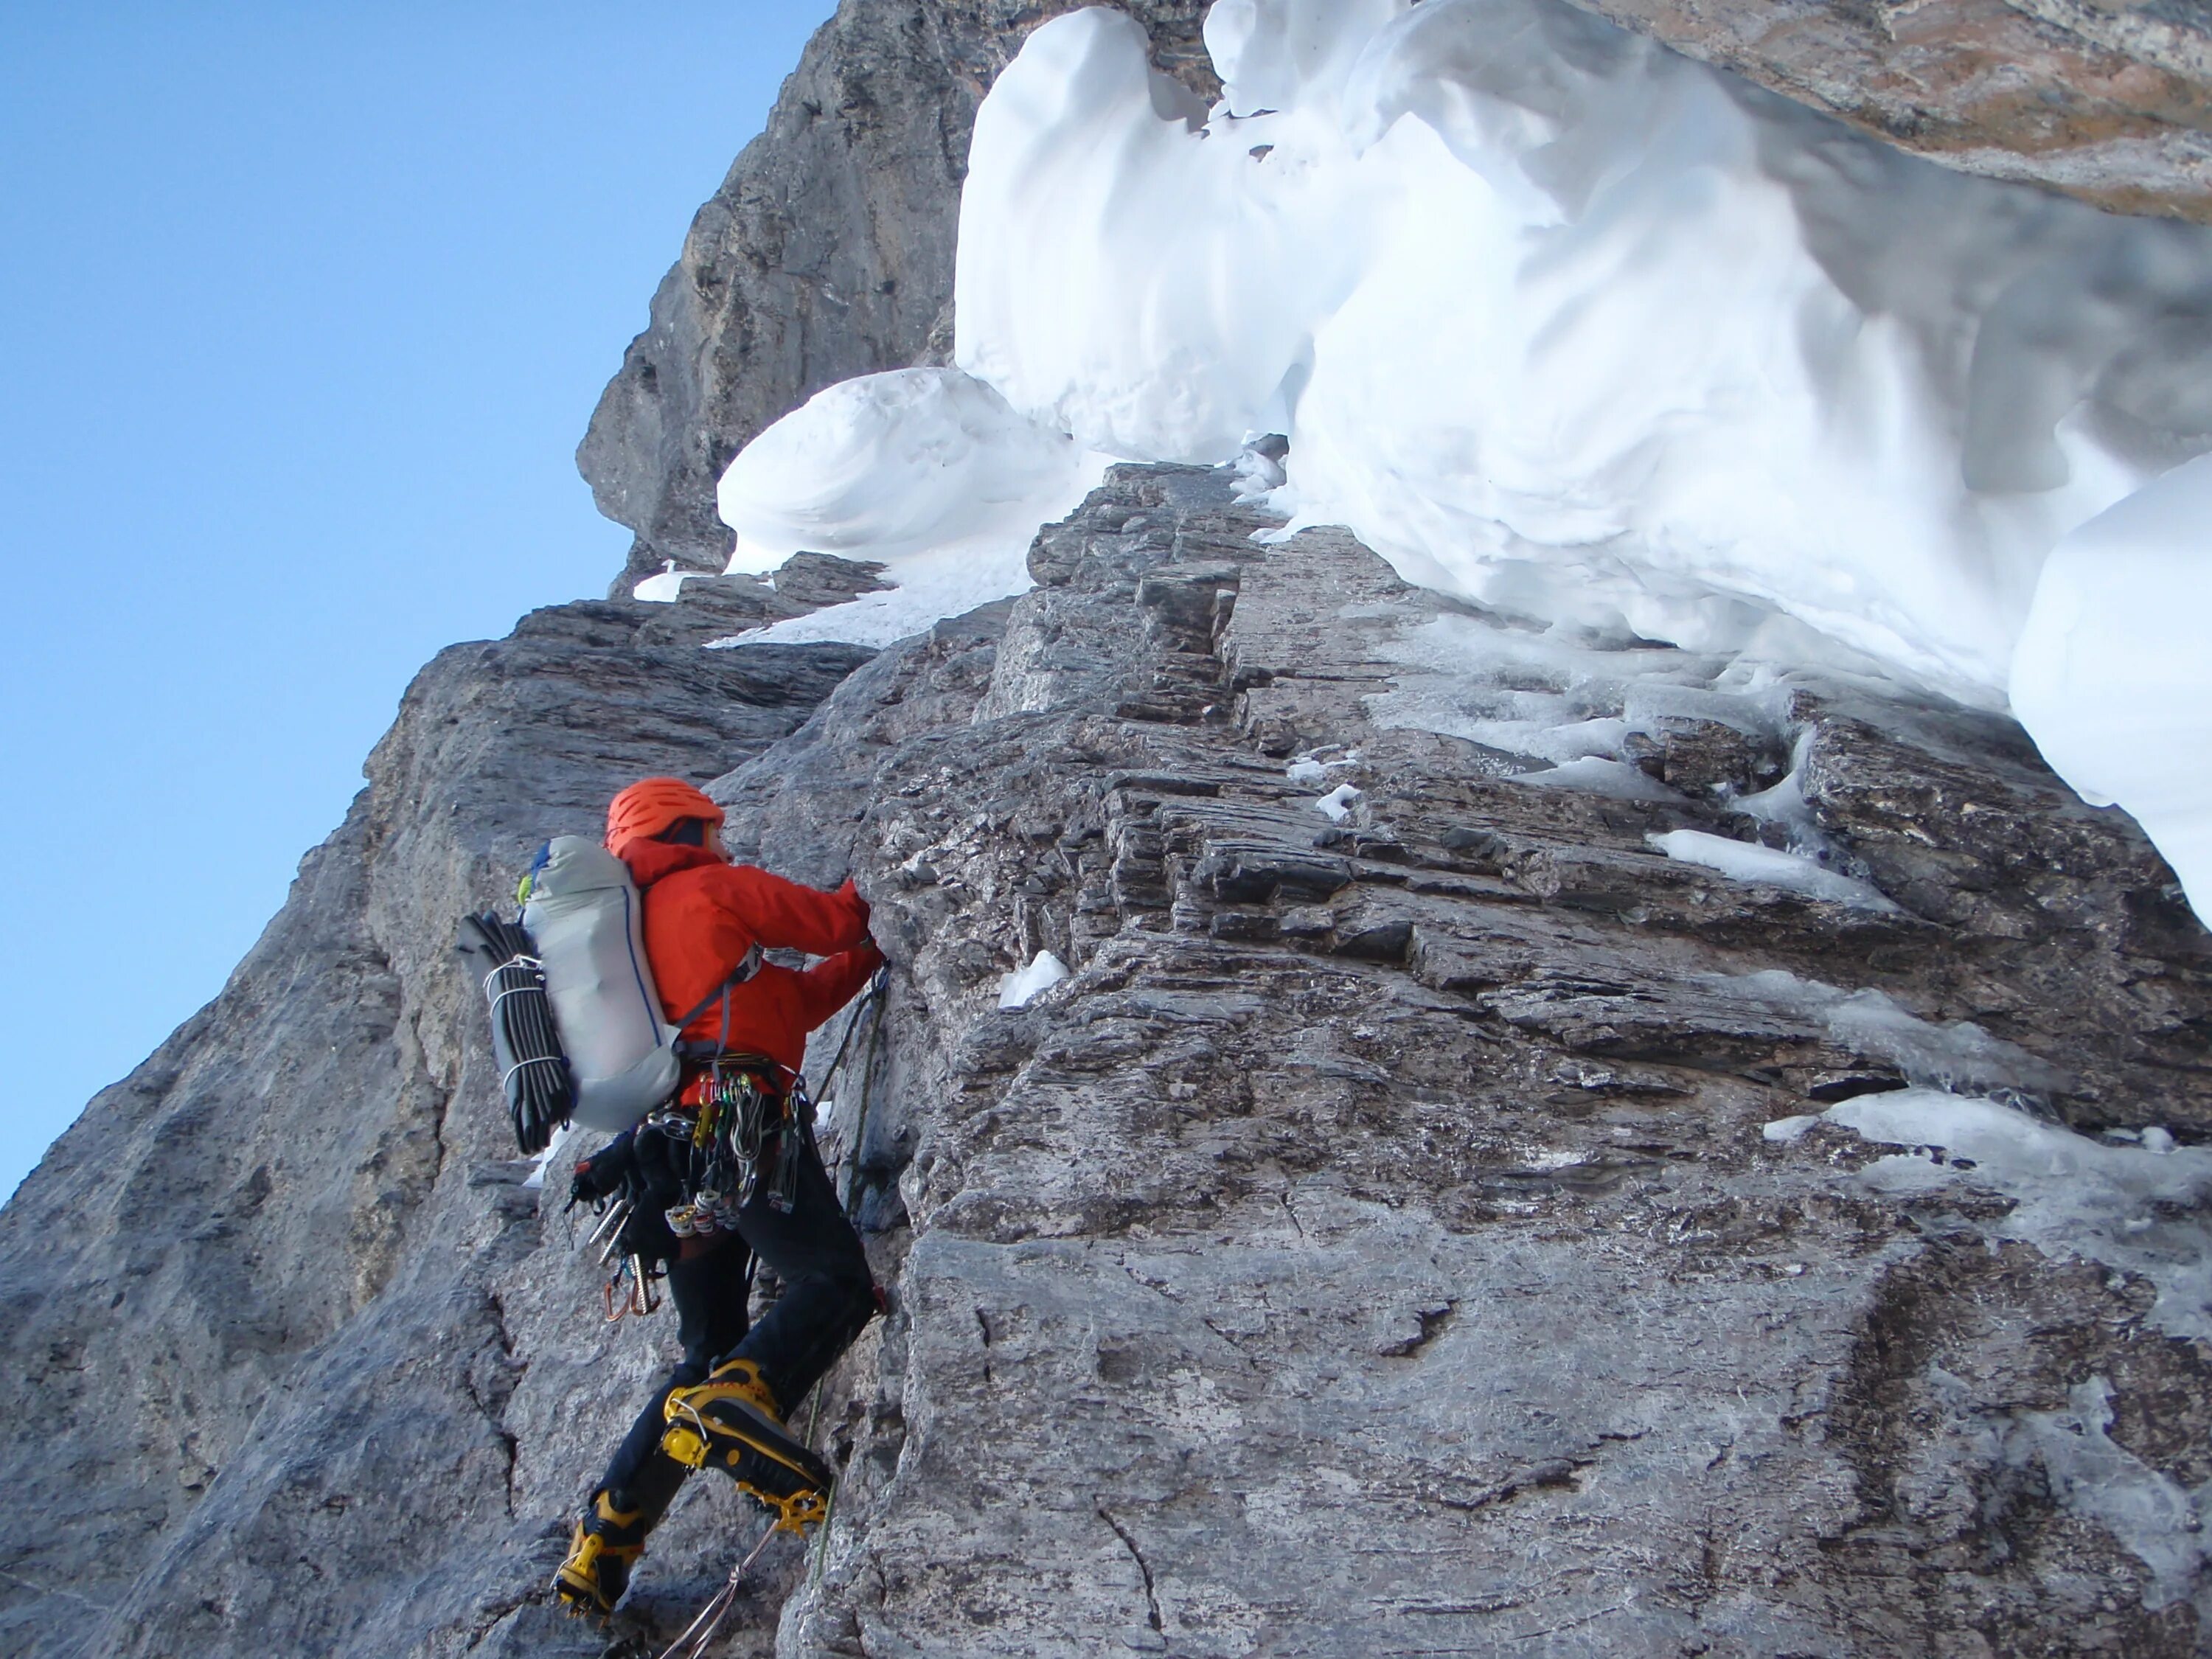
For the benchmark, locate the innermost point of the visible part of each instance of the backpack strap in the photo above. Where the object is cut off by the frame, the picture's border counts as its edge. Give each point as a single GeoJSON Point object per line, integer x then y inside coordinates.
{"type": "Point", "coordinates": [748, 965]}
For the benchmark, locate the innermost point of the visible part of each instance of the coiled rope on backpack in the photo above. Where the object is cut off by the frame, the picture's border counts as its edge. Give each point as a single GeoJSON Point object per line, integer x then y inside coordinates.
{"type": "Point", "coordinates": [541, 1095]}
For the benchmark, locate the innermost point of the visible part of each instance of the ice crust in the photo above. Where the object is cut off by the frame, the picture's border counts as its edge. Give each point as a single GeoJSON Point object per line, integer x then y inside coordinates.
{"type": "Point", "coordinates": [2125, 1207]}
{"type": "Point", "coordinates": [1769, 866]}
{"type": "Point", "coordinates": [2138, 1209]}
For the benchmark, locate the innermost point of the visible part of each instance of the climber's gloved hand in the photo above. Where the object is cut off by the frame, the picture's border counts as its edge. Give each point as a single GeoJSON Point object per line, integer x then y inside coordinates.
{"type": "Point", "coordinates": [603, 1172]}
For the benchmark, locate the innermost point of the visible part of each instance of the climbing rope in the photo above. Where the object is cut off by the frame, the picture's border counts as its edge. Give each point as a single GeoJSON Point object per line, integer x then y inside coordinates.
{"type": "Point", "coordinates": [700, 1636]}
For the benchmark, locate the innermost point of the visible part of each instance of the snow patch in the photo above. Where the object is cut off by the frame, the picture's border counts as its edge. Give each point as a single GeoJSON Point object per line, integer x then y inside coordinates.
{"type": "Point", "coordinates": [1044, 971]}
{"type": "Point", "coordinates": [665, 587]}
{"type": "Point", "coordinates": [1337, 805]}
{"type": "Point", "coordinates": [925, 471]}
{"type": "Point", "coordinates": [535, 1180]}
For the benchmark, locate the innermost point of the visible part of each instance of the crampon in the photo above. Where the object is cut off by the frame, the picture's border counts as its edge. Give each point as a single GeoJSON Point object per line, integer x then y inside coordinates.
{"type": "Point", "coordinates": [730, 1423]}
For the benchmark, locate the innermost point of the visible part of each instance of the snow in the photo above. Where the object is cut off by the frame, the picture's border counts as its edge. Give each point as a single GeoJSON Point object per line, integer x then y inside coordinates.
{"type": "Point", "coordinates": [1336, 805]}
{"type": "Point", "coordinates": [535, 1179]}
{"type": "Point", "coordinates": [665, 587]}
{"type": "Point", "coordinates": [1578, 330]}
{"type": "Point", "coordinates": [2112, 671]}
{"type": "Point", "coordinates": [2134, 1210]}
{"type": "Point", "coordinates": [1769, 866]}
{"type": "Point", "coordinates": [1044, 971]}
{"type": "Point", "coordinates": [925, 471]}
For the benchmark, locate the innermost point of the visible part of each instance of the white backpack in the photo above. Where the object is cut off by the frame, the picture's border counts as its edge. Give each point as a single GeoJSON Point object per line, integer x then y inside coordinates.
{"type": "Point", "coordinates": [587, 919]}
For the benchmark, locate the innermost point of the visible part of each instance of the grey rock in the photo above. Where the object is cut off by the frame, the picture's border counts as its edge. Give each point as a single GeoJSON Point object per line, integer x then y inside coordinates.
{"type": "Point", "coordinates": [258, 1356]}
{"type": "Point", "coordinates": [1373, 1246]}
{"type": "Point", "coordinates": [2112, 103]}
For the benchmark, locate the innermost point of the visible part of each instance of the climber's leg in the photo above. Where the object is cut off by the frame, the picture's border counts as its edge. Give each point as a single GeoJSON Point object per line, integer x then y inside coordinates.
{"type": "Point", "coordinates": [735, 1420]}
{"type": "Point", "coordinates": [709, 1288]}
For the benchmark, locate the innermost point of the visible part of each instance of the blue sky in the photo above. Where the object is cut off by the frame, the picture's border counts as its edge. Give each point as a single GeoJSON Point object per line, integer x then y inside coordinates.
{"type": "Point", "coordinates": [302, 311]}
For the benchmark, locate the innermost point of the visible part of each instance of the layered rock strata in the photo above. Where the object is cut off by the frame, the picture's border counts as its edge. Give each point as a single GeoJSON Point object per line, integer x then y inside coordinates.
{"type": "Point", "coordinates": [1374, 1248]}
{"type": "Point", "coordinates": [2110, 101]}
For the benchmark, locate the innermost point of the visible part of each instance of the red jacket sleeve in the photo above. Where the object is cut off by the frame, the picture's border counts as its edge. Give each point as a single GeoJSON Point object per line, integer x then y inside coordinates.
{"type": "Point", "coordinates": [784, 915]}
{"type": "Point", "coordinates": [828, 986]}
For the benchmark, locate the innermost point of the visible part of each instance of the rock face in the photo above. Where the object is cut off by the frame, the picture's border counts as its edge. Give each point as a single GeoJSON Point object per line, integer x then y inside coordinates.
{"type": "Point", "coordinates": [1374, 1246]}
{"type": "Point", "coordinates": [256, 1358]}
{"type": "Point", "coordinates": [2107, 99]}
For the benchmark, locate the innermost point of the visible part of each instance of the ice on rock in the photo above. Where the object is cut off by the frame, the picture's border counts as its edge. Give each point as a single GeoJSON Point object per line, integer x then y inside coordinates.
{"type": "Point", "coordinates": [1748, 861]}
{"type": "Point", "coordinates": [1958, 1056]}
{"type": "Point", "coordinates": [1044, 971]}
{"type": "Point", "coordinates": [2126, 1208]}
{"type": "Point", "coordinates": [1577, 329]}
{"type": "Point", "coordinates": [1596, 776]}
{"type": "Point", "coordinates": [2088, 1471]}
{"type": "Point", "coordinates": [925, 471]}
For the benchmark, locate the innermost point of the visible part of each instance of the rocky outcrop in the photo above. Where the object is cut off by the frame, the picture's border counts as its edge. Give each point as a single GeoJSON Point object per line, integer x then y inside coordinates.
{"type": "Point", "coordinates": [256, 1359]}
{"type": "Point", "coordinates": [1375, 1240]}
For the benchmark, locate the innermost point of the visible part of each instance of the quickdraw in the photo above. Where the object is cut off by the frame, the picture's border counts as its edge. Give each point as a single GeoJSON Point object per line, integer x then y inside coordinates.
{"type": "Point", "coordinates": [642, 1297]}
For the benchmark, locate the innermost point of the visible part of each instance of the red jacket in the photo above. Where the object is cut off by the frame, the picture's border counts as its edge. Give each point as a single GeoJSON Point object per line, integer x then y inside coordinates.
{"type": "Point", "coordinates": [701, 915]}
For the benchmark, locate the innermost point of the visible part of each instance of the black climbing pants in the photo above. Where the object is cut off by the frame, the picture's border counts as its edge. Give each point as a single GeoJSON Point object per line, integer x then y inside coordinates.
{"type": "Point", "coordinates": [828, 1296]}
{"type": "Point", "coordinates": [710, 1292]}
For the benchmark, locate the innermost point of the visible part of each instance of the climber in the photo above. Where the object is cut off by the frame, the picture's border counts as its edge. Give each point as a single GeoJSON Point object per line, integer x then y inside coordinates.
{"type": "Point", "coordinates": [726, 1400]}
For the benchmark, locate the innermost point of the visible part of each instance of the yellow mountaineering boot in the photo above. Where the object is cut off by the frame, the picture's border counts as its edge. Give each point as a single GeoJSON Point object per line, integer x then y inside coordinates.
{"type": "Point", "coordinates": [607, 1544]}
{"type": "Point", "coordinates": [731, 1422]}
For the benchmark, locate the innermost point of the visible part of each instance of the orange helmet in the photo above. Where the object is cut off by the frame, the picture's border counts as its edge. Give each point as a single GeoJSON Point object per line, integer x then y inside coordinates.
{"type": "Point", "coordinates": [651, 805]}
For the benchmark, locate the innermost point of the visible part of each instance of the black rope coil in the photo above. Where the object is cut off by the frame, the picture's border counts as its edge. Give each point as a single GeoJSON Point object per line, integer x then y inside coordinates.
{"type": "Point", "coordinates": [533, 1072]}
